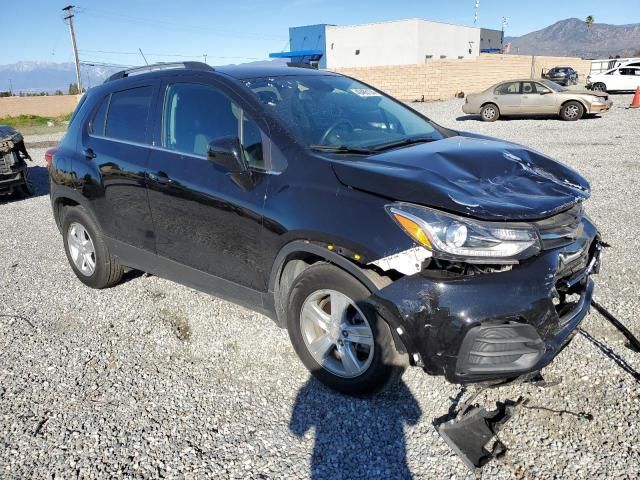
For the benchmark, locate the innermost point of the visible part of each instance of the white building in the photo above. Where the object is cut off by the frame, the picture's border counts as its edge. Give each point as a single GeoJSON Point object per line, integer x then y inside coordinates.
{"type": "Point", "coordinates": [400, 42]}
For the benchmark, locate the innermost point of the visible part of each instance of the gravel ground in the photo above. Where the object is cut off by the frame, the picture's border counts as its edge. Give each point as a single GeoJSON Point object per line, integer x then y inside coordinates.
{"type": "Point", "coordinates": [151, 379]}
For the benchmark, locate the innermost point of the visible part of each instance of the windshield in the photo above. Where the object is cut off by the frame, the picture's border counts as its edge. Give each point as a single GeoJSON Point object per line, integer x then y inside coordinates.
{"type": "Point", "coordinates": [553, 86]}
{"type": "Point", "coordinates": [333, 111]}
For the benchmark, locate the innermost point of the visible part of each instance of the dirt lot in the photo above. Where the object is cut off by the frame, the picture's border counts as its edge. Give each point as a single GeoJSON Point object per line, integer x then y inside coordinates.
{"type": "Point", "coordinates": [151, 379]}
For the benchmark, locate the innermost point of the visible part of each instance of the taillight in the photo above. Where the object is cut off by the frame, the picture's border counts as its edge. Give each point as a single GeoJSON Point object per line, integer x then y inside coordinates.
{"type": "Point", "coordinates": [48, 156]}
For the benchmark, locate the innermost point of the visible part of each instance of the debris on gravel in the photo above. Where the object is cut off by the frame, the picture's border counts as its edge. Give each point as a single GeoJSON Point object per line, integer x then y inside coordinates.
{"type": "Point", "coordinates": [153, 380]}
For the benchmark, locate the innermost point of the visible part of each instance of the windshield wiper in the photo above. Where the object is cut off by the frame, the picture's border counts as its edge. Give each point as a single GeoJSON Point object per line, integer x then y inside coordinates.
{"type": "Point", "coordinates": [402, 143]}
{"type": "Point", "coordinates": [340, 149]}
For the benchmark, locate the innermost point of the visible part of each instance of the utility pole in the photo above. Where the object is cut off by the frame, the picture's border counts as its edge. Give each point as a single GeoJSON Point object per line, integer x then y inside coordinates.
{"type": "Point", "coordinates": [475, 17]}
{"type": "Point", "coordinates": [205, 58]}
{"type": "Point", "coordinates": [69, 18]}
{"type": "Point", "coordinates": [505, 22]}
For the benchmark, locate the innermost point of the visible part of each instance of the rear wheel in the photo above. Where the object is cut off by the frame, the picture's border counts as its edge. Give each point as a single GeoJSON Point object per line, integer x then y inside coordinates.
{"type": "Point", "coordinates": [87, 252]}
{"type": "Point", "coordinates": [344, 344]}
{"type": "Point", "coordinates": [572, 111]}
{"type": "Point", "coordinates": [599, 87]}
{"type": "Point", "coordinates": [490, 112]}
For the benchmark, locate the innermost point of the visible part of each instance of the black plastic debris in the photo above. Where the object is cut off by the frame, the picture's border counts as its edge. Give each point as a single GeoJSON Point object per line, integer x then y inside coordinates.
{"type": "Point", "coordinates": [473, 429]}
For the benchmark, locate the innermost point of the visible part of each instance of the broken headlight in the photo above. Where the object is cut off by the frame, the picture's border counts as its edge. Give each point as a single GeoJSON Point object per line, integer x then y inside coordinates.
{"type": "Point", "coordinates": [462, 239]}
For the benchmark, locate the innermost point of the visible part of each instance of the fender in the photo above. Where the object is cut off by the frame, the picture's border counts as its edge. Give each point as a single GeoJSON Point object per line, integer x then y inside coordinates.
{"type": "Point", "coordinates": [297, 246]}
{"type": "Point", "coordinates": [60, 193]}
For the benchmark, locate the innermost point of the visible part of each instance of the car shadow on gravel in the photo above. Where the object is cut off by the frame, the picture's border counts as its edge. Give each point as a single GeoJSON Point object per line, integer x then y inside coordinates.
{"type": "Point", "coordinates": [361, 438]}
{"type": "Point", "coordinates": [467, 118]}
{"type": "Point", "coordinates": [39, 179]}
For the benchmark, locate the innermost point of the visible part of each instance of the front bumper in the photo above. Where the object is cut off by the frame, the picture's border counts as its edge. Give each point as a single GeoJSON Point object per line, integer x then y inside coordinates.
{"type": "Point", "coordinates": [13, 179]}
{"type": "Point", "coordinates": [494, 326]}
{"type": "Point", "coordinates": [599, 108]}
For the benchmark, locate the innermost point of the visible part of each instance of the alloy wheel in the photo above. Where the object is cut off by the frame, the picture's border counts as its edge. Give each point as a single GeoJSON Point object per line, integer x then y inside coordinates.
{"type": "Point", "coordinates": [572, 111]}
{"type": "Point", "coordinates": [81, 249]}
{"type": "Point", "coordinates": [336, 333]}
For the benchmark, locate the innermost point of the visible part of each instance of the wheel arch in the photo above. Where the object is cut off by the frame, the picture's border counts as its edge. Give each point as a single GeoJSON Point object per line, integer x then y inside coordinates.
{"type": "Point", "coordinates": [69, 198]}
{"type": "Point", "coordinates": [297, 256]}
{"type": "Point", "coordinates": [584, 105]}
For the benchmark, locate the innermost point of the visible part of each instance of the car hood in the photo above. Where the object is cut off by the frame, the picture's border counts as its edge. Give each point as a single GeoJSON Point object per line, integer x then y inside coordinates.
{"type": "Point", "coordinates": [593, 93]}
{"type": "Point", "coordinates": [476, 176]}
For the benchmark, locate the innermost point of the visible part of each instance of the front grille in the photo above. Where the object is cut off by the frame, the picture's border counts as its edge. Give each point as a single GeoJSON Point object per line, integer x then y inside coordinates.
{"type": "Point", "coordinates": [561, 229]}
{"type": "Point", "coordinates": [6, 161]}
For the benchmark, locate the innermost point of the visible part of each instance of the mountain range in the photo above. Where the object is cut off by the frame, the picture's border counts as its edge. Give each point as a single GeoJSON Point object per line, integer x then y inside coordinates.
{"type": "Point", "coordinates": [572, 38]}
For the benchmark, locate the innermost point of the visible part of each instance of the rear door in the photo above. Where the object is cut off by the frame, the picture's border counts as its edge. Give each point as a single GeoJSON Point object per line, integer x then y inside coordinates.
{"type": "Point", "coordinates": [508, 98]}
{"type": "Point", "coordinates": [202, 218]}
{"type": "Point", "coordinates": [116, 146]}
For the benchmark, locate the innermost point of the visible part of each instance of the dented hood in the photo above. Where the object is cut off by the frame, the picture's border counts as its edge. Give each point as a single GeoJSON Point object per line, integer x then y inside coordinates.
{"type": "Point", "coordinates": [476, 176]}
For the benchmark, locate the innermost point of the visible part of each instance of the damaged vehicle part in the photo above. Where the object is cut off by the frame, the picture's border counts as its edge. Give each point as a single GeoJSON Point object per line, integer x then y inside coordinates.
{"type": "Point", "coordinates": [14, 176]}
{"type": "Point", "coordinates": [375, 236]}
{"type": "Point", "coordinates": [473, 428]}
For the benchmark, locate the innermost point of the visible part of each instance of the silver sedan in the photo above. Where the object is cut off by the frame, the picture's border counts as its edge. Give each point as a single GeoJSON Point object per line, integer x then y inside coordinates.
{"type": "Point", "coordinates": [535, 97]}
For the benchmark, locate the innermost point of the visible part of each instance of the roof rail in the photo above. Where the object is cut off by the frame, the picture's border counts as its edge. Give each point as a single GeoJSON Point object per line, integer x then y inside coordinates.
{"type": "Point", "coordinates": [161, 66]}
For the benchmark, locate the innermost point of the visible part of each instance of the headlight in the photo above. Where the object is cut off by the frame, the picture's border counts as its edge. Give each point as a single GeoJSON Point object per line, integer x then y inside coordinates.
{"type": "Point", "coordinates": [452, 237]}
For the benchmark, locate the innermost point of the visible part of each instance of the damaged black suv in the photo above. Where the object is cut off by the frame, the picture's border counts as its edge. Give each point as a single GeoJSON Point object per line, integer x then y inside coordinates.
{"type": "Point", "coordinates": [378, 238]}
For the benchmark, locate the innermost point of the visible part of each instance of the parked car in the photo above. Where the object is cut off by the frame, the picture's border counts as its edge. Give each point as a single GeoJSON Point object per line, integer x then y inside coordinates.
{"type": "Point", "coordinates": [535, 97]}
{"type": "Point", "coordinates": [625, 78]}
{"type": "Point", "coordinates": [562, 76]}
{"type": "Point", "coordinates": [375, 236]}
{"type": "Point", "coordinates": [14, 174]}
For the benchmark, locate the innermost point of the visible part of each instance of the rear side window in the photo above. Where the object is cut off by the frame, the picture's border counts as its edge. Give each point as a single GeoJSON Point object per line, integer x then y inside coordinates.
{"type": "Point", "coordinates": [96, 126]}
{"type": "Point", "coordinates": [128, 114]}
{"type": "Point", "coordinates": [508, 88]}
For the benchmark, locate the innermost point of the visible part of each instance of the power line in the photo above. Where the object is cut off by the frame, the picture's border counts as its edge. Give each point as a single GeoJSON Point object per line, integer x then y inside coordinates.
{"type": "Point", "coordinates": [113, 52]}
{"type": "Point", "coordinates": [146, 21]}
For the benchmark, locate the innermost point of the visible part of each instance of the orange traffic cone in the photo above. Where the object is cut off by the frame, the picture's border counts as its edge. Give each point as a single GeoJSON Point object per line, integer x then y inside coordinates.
{"type": "Point", "coordinates": [636, 99]}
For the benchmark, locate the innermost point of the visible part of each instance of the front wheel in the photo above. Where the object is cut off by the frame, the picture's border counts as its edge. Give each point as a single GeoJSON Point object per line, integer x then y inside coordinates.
{"type": "Point", "coordinates": [599, 87]}
{"type": "Point", "coordinates": [25, 190]}
{"type": "Point", "coordinates": [490, 113]}
{"type": "Point", "coordinates": [344, 344]}
{"type": "Point", "coordinates": [572, 111]}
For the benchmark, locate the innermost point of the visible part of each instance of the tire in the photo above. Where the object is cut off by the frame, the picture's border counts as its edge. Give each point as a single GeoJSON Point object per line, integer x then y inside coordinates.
{"type": "Point", "coordinates": [572, 111]}
{"type": "Point", "coordinates": [78, 224]}
{"type": "Point", "coordinates": [599, 87]}
{"type": "Point", "coordinates": [378, 363]}
{"type": "Point", "coordinates": [25, 190]}
{"type": "Point", "coordinates": [490, 112]}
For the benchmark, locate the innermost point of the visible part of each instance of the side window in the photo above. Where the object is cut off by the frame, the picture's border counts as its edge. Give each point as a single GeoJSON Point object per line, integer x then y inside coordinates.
{"type": "Point", "coordinates": [252, 142]}
{"type": "Point", "coordinates": [508, 88]}
{"type": "Point", "coordinates": [96, 125]}
{"type": "Point", "coordinates": [194, 115]}
{"type": "Point", "coordinates": [539, 88]}
{"type": "Point", "coordinates": [528, 87]}
{"type": "Point", "coordinates": [128, 114]}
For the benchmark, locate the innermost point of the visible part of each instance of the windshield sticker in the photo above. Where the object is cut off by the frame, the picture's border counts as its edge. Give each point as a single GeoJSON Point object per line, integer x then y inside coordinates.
{"type": "Point", "coordinates": [365, 92]}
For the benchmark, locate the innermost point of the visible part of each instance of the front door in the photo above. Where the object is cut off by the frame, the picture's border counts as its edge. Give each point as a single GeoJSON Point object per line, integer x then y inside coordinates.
{"type": "Point", "coordinates": [116, 143]}
{"type": "Point", "coordinates": [537, 99]}
{"type": "Point", "coordinates": [202, 218]}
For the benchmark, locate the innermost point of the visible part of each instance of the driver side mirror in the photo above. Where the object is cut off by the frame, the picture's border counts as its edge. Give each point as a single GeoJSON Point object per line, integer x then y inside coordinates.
{"type": "Point", "coordinates": [227, 152]}
{"type": "Point", "coordinates": [545, 92]}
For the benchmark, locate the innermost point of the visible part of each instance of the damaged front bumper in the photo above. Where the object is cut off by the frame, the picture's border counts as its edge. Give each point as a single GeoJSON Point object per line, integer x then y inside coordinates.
{"type": "Point", "coordinates": [494, 326]}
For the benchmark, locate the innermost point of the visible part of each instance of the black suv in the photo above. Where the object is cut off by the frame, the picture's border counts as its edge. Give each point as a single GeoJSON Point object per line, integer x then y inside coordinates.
{"type": "Point", "coordinates": [376, 237]}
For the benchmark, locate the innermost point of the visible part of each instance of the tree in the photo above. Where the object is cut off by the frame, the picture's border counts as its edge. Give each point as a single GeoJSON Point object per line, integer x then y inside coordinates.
{"type": "Point", "coordinates": [73, 89]}
{"type": "Point", "coordinates": [59, 92]}
{"type": "Point", "coordinates": [589, 21]}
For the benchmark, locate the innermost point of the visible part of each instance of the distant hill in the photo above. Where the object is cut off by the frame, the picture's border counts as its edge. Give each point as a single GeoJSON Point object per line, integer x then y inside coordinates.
{"type": "Point", "coordinates": [571, 37]}
{"type": "Point", "coordinates": [49, 77]}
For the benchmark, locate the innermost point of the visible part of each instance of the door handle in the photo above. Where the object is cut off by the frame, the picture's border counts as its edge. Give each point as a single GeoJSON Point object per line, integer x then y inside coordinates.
{"type": "Point", "coordinates": [89, 153]}
{"type": "Point", "coordinates": [161, 178]}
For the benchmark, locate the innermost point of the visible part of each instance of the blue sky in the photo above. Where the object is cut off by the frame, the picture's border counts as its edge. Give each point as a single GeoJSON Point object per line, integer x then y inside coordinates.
{"type": "Point", "coordinates": [243, 30]}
